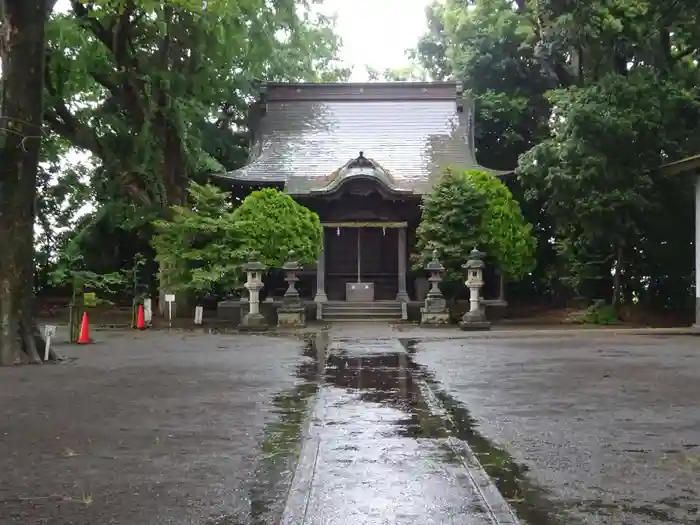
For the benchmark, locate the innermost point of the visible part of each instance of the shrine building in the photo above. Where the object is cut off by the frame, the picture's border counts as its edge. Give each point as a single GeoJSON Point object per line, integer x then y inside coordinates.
{"type": "Point", "coordinates": [361, 156]}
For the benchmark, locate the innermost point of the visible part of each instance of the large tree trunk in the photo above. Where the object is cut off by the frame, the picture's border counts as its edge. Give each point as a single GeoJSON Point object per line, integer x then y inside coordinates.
{"type": "Point", "coordinates": [21, 130]}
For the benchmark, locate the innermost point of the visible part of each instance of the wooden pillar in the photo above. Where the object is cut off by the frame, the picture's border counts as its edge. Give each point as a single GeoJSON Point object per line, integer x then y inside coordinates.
{"type": "Point", "coordinates": [402, 255]}
{"type": "Point", "coordinates": [321, 296]}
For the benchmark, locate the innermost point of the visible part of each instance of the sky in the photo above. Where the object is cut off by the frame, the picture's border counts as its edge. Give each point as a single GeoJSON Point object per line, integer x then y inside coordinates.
{"type": "Point", "coordinates": [377, 32]}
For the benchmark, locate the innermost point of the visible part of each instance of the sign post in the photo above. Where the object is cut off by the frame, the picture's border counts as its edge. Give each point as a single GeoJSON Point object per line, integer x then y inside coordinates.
{"type": "Point", "coordinates": [148, 311]}
{"type": "Point", "coordinates": [49, 332]}
{"type": "Point", "coordinates": [170, 299]}
{"type": "Point", "coordinates": [198, 314]}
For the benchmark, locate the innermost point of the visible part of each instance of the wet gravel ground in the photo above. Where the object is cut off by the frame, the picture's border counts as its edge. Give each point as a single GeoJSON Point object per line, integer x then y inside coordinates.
{"type": "Point", "coordinates": [608, 425]}
{"type": "Point", "coordinates": [152, 428]}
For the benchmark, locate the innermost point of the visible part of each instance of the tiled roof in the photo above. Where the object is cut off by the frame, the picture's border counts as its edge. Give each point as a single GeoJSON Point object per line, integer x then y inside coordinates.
{"type": "Point", "coordinates": [309, 132]}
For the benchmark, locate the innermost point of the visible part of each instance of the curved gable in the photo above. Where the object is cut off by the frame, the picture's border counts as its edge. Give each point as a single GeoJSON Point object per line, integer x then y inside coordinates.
{"type": "Point", "coordinates": [360, 168]}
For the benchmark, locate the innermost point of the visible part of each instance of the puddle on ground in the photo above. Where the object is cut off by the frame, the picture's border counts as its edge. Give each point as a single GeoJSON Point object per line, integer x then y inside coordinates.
{"type": "Point", "coordinates": [282, 442]}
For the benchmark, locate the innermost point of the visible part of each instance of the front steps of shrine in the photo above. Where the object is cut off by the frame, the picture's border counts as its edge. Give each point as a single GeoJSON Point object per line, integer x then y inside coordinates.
{"type": "Point", "coordinates": [337, 311]}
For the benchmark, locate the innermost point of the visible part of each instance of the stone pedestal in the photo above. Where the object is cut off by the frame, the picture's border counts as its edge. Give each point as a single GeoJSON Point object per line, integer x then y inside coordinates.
{"type": "Point", "coordinates": [253, 322]}
{"type": "Point", "coordinates": [228, 310]}
{"type": "Point", "coordinates": [475, 320]}
{"type": "Point", "coordinates": [435, 312]}
{"type": "Point", "coordinates": [291, 316]}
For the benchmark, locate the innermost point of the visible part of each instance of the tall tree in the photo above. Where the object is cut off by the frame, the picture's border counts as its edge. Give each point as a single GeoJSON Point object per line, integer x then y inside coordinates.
{"type": "Point", "coordinates": [591, 97]}
{"type": "Point", "coordinates": [490, 47]}
{"type": "Point", "coordinates": [22, 24]}
{"type": "Point", "coordinates": [135, 82]}
{"type": "Point", "coordinates": [158, 94]}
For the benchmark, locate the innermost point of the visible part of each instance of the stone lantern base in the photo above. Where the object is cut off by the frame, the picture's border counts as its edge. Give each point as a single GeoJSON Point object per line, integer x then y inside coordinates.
{"type": "Point", "coordinates": [435, 312]}
{"type": "Point", "coordinates": [429, 317]}
{"type": "Point", "coordinates": [253, 322]}
{"type": "Point", "coordinates": [475, 321]}
{"type": "Point", "coordinates": [291, 316]}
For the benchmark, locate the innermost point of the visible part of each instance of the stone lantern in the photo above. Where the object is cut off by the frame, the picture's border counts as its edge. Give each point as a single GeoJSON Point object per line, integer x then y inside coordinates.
{"type": "Point", "coordinates": [292, 312]}
{"type": "Point", "coordinates": [434, 312]}
{"type": "Point", "coordinates": [475, 318]}
{"type": "Point", "coordinates": [254, 269]}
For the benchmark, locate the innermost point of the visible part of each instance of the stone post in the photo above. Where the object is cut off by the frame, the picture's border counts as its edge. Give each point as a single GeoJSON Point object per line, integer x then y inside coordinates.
{"type": "Point", "coordinates": [475, 318]}
{"type": "Point", "coordinates": [291, 313]}
{"type": "Point", "coordinates": [403, 294]}
{"type": "Point", "coordinates": [434, 312]}
{"type": "Point", "coordinates": [254, 320]}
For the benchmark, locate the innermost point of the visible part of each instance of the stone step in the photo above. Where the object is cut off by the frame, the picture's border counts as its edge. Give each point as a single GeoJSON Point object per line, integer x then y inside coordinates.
{"type": "Point", "coordinates": [337, 311]}
{"type": "Point", "coordinates": [378, 309]}
{"type": "Point", "coordinates": [362, 320]}
{"type": "Point", "coordinates": [376, 305]}
{"type": "Point", "coordinates": [361, 313]}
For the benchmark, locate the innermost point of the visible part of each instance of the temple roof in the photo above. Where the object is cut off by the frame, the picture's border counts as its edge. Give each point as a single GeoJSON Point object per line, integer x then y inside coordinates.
{"type": "Point", "coordinates": [313, 137]}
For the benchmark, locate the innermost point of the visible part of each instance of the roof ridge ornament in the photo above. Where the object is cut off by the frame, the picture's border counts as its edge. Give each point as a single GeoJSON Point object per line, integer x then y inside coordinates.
{"type": "Point", "coordinates": [360, 162]}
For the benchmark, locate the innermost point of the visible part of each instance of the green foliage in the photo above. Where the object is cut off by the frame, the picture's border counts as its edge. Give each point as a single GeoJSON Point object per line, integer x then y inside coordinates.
{"type": "Point", "coordinates": [505, 233]}
{"type": "Point", "coordinates": [450, 221]}
{"type": "Point", "coordinates": [274, 223]}
{"type": "Point", "coordinates": [594, 96]}
{"type": "Point", "coordinates": [474, 209]}
{"type": "Point", "coordinates": [202, 247]}
{"type": "Point", "coordinates": [599, 314]}
{"type": "Point", "coordinates": [157, 94]}
{"type": "Point", "coordinates": [597, 167]}
{"type": "Point", "coordinates": [490, 48]}
{"type": "Point", "coordinates": [70, 269]}
{"type": "Point", "coordinates": [198, 248]}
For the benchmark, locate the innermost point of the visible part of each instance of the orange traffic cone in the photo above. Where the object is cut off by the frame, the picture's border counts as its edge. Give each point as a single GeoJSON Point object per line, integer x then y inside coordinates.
{"type": "Point", "coordinates": [84, 337]}
{"type": "Point", "coordinates": [140, 319]}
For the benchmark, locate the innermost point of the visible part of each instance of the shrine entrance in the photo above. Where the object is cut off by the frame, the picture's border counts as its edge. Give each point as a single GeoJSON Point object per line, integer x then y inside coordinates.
{"type": "Point", "coordinates": [363, 262]}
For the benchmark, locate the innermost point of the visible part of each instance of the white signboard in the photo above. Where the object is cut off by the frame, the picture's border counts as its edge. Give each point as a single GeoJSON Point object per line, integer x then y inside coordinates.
{"type": "Point", "coordinates": [198, 314]}
{"type": "Point", "coordinates": [169, 297]}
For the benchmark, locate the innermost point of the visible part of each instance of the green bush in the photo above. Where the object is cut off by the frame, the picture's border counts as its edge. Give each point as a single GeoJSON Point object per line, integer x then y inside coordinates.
{"type": "Point", "coordinates": [599, 313]}
{"type": "Point", "coordinates": [468, 209]}
{"type": "Point", "coordinates": [203, 246]}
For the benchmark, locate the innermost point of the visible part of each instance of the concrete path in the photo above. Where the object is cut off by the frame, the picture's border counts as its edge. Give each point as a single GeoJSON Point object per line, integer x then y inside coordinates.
{"type": "Point", "coordinates": [379, 451]}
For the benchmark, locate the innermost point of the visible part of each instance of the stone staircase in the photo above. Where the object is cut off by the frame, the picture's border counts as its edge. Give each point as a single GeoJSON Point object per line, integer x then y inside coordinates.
{"type": "Point", "coordinates": [386, 311]}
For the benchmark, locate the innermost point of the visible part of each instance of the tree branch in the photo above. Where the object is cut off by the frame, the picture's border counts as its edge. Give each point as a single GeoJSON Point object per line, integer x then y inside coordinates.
{"type": "Point", "coordinates": [115, 37]}
{"type": "Point", "coordinates": [60, 119]}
